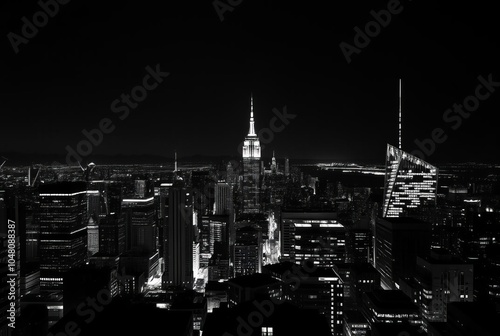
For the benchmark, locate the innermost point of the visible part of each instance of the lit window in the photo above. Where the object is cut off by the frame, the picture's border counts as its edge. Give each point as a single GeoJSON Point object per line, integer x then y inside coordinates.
{"type": "Point", "coordinates": [267, 331]}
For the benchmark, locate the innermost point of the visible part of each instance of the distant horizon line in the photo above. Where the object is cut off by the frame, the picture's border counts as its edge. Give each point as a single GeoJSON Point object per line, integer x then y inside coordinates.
{"type": "Point", "coordinates": [24, 158]}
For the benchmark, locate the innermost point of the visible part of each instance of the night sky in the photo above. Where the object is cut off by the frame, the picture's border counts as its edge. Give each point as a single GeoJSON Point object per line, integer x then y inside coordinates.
{"type": "Point", "coordinates": [287, 53]}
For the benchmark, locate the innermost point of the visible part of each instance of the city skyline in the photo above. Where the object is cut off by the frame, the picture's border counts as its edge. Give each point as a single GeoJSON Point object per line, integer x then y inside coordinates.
{"type": "Point", "coordinates": [249, 168]}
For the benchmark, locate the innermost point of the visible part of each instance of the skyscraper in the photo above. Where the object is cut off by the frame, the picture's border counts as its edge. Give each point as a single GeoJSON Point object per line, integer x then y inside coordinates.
{"type": "Point", "coordinates": [410, 184]}
{"type": "Point", "coordinates": [178, 238]}
{"type": "Point", "coordinates": [247, 251]}
{"type": "Point", "coordinates": [251, 168]}
{"type": "Point", "coordinates": [140, 223]}
{"type": "Point", "coordinates": [443, 279]}
{"type": "Point", "coordinates": [316, 235]}
{"type": "Point", "coordinates": [398, 242]}
{"type": "Point", "coordinates": [112, 235]}
{"type": "Point", "coordinates": [223, 198]}
{"type": "Point", "coordinates": [63, 231]}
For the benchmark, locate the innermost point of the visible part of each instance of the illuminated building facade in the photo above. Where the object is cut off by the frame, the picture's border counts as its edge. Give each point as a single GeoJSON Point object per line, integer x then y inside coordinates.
{"type": "Point", "coordinates": [390, 306]}
{"type": "Point", "coordinates": [316, 235]}
{"type": "Point", "coordinates": [63, 231]}
{"type": "Point", "coordinates": [410, 184]}
{"type": "Point", "coordinates": [251, 152]}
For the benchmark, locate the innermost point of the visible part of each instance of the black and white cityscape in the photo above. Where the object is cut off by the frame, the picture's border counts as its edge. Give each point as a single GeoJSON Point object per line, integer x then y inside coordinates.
{"type": "Point", "coordinates": [249, 168]}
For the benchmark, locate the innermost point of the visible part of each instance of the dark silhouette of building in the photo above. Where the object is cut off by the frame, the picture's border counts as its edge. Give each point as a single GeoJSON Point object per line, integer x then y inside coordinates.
{"type": "Point", "coordinates": [247, 251]}
{"type": "Point", "coordinates": [248, 287]}
{"type": "Point", "coordinates": [398, 242]}
{"type": "Point", "coordinates": [179, 238]}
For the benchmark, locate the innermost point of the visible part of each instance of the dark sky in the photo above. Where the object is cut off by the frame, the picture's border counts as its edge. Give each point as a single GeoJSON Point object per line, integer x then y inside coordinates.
{"type": "Point", "coordinates": [286, 52]}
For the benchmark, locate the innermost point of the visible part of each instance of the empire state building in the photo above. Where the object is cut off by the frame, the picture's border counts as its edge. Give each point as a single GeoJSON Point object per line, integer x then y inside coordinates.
{"type": "Point", "coordinates": [251, 168]}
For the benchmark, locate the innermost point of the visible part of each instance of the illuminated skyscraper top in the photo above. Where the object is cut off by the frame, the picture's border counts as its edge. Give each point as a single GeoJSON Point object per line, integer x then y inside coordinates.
{"type": "Point", "coordinates": [410, 184]}
{"type": "Point", "coordinates": [251, 145]}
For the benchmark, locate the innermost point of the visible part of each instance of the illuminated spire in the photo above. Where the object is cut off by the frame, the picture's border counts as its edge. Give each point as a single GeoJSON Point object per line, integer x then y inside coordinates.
{"type": "Point", "coordinates": [251, 132]}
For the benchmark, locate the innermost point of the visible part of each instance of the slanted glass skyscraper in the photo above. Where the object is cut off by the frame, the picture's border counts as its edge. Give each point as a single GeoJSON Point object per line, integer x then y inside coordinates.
{"type": "Point", "coordinates": [410, 184]}
{"type": "Point", "coordinates": [251, 168]}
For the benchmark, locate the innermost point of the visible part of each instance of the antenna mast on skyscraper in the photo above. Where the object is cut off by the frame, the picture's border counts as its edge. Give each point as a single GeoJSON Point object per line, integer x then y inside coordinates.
{"type": "Point", "coordinates": [400, 114]}
{"type": "Point", "coordinates": [175, 162]}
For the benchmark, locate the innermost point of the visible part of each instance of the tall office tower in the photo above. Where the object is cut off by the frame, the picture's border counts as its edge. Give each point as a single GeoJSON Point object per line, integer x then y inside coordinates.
{"type": "Point", "coordinates": [359, 242]}
{"type": "Point", "coordinates": [32, 228]}
{"type": "Point", "coordinates": [223, 198]}
{"type": "Point", "coordinates": [398, 242]}
{"type": "Point", "coordinates": [19, 210]}
{"type": "Point", "coordinates": [442, 279]}
{"type": "Point", "coordinates": [94, 203]}
{"type": "Point", "coordinates": [219, 226]}
{"type": "Point", "coordinates": [63, 231]}
{"type": "Point", "coordinates": [204, 237]}
{"type": "Point", "coordinates": [232, 175]}
{"type": "Point", "coordinates": [316, 235]}
{"type": "Point", "coordinates": [178, 238]}
{"type": "Point", "coordinates": [218, 267]}
{"type": "Point", "coordinates": [287, 167]}
{"type": "Point", "coordinates": [317, 288]}
{"type": "Point", "coordinates": [112, 235]}
{"type": "Point", "coordinates": [92, 236]}
{"type": "Point", "coordinates": [247, 251]}
{"type": "Point", "coordinates": [115, 198]}
{"type": "Point", "coordinates": [251, 169]}
{"type": "Point", "coordinates": [203, 186]}
{"type": "Point", "coordinates": [410, 185]}
{"type": "Point", "coordinates": [140, 223]}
